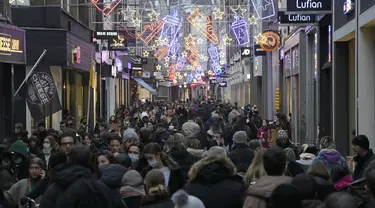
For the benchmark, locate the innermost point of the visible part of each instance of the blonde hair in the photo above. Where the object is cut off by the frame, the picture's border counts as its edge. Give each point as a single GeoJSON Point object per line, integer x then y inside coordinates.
{"type": "Point", "coordinates": [155, 182]}
{"type": "Point", "coordinates": [256, 169]}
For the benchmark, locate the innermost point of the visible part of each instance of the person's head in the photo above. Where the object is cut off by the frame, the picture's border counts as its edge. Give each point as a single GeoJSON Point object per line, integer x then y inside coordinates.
{"type": "Point", "coordinates": [170, 112]}
{"type": "Point", "coordinates": [135, 151]}
{"type": "Point", "coordinates": [264, 123]}
{"type": "Point", "coordinates": [318, 169]}
{"type": "Point", "coordinates": [114, 142]}
{"type": "Point", "coordinates": [112, 118]}
{"type": "Point", "coordinates": [340, 199]}
{"type": "Point", "coordinates": [103, 126]}
{"type": "Point", "coordinates": [274, 162]}
{"type": "Point", "coordinates": [123, 159]}
{"type": "Point", "coordinates": [361, 145]}
{"type": "Point", "coordinates": [282, 139]}
{"type": "Point", "coordinates": [194, 144]}
{"type": "Point", "coordinates": [326, 142]}
{"type": "Point", "coordinates": [79, 155]}
{"type": "Point", "coordinates": [129, 137]}
{"type": "Point", "coordinates": [67, 140]}
{"type": "Point", "coordinates": [306, 185]}
{"type": "Point", "coordinates": [18, 128]}
{"type": "Point", "coordinates": [286, 195]}
{"type": "Point", "coordinates": [63, 125]}
{"type": "Point", "coordinates": [240, 137]}
{"type": "Point", "coordinates": [157, 158]}
{"type": "Point", "coordinates": [33, 141]}
{"type": "Point", "coordinates": [144, 135]}
{"type": "Point", "coordinates": [87, 139]}
{"type": "Point", "coordinates": [96, 137]}
{"type": "Point", "coordinates": [256, 169]}
{"type": "Point", "coordinates": [36, 167]}
{"type": "Point", "coordinates": [290, 155]}
{"type": "Point", "coordinates": [216, 151]}
{"type": "Point", "coordinates": [49, 144]}
{"type": "Point", "coordinates": [104, 157]}
{"type": "Point", "coordinates": [155, 182]}
{"type": "Point", "coordinates": [254, 144]}
{"type": "Point", "coordinates": [41, 126]}
{"type": "Point", "coordinates": [175, 143]}
{"type": "Point", "coordinates": [144, 117]}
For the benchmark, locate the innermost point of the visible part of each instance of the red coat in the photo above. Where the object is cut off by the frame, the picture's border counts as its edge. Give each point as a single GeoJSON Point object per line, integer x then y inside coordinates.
{"type": "Point", "coordinates": [264, 131]}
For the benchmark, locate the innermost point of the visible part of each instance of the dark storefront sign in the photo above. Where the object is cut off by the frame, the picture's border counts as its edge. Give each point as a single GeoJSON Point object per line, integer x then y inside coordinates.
{"type": "Point", "coordinates": [137, 67]}
{"type": "Point", "coordinates": [309, 6]}
{"type": "Point", "coordinates": [105, 34]}
{"type": "Point", "coordinates": [223, 84]}
{"type": "Point", "coordinates": [340, 18]}
{"type": "Point", "coordinates": [245, 52]}
{"type": "Point", "coordinates": [299, 19]}
{"type": "Point", "coordinates": [117, 44]}
{"type": "Point", "coordinates": [12, 45]}
{"type": "Point", "coordinates": [258, 51]}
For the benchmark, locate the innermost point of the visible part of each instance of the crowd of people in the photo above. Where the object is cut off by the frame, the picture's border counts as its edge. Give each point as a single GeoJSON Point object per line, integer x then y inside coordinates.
{"type": "Point", "coordinates": [183, 155]}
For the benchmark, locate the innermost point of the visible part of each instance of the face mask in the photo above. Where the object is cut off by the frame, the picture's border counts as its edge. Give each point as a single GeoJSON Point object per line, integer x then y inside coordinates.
{"type": "Point", "coordinates": [152, 163]}
{"type": "Point", "coordinates": [102, 167]}
{"type": "Point", "coordinates": [264, 125]}
{"type": "Point", "coordinates": [46, 145]}
{"type": "Point", "coordinates": [133, 157]}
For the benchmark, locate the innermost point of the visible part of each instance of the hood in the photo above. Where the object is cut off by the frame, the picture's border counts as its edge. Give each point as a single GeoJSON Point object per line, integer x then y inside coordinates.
{"type": "Point", "coordinates": [68, 175]}
{"type": "Point", "coordinates": [234, 111]}
{"type": "Point", "coordinates": [198, 153]}
{"type": "Point", "coordinates": [211, 170]}
{"type": "Point", "coordinates": [112, 176]}
{"type": "Point", "coordinates": [144, 114]}
{"type": "Point", "coordinates": [311, 203]}
{"type": "Point", "coordinates": [266, 184]}
{"type": "Point", "coordinates": [19, 147]}
{"type": "Point", "coordinates": [331, 155]}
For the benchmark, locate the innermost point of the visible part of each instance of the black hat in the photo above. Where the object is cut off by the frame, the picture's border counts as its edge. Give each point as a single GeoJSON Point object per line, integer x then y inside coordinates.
{"type": "Point", "coordinates": [361, 141]}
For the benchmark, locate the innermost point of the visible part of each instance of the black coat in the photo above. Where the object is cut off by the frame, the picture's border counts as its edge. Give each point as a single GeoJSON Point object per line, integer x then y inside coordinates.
{"type": "Point", "coordinates": [214, 181]}
{"type": "Point", "coordinates": [163, 201]}
{"type": "Point", "coordinates": [133, 201]}
{"type": "Point", "coordinates": [185, 160]}
{"type": "Point", "coordinates": [362, 163]}
{"type": "Point", "coordinates": [74, 186]}
{"type": "Point", "coordinates": [242, 157]}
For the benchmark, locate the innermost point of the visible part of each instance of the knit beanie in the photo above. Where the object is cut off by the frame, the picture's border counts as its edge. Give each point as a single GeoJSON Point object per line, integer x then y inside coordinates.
{"type": "Point", "coordinates": [182, 200]}
{"type": "Point", "coordinates": [240, 137]}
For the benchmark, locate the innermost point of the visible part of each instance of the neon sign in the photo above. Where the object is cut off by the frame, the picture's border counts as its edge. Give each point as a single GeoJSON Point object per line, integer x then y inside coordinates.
{"type": "Point", "coordinates": [150, 31]}
{"type": "Point", "coordinates": [161, 53]}
{"type": "Point", "coordinates": [193, 57]}
{"type": "Point", "coordinates": [240, 29]}
{"type": "Point", "coordinates": [264, 8]}
{"type": "Point", "coordinates": [107, 8]}
{"type": "Point", "coordinates": [171, 26]}
{"type": "Point", "coordinates": [214, 53]}
{"type": "Point", "coordinates": [196, 18]}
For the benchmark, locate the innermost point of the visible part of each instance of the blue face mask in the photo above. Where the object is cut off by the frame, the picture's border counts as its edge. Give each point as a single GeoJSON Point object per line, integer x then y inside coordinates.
{"type": "Point", "coordinates": [133, 157]}
{"type": "Point", "coordinates": [152, 163]}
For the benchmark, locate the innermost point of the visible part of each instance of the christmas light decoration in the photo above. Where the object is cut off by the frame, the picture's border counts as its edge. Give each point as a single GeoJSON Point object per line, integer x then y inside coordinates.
{"type": "Point", "coordinates": [161, 53]}
{"type": "Point", "coordinates": [258, 38]}
{"type": "Point", "coordinates": [193, 58]}
{"type": "Point", "coordinates": [146, 53]}
{"type": "Point", "coordinates": [180, 63]}
{"type": "Point", "coordinates": [227, 40]}
{"type": "Point", "coordinates": [107, 8]}
{"type": "Point", "coordinates": [239, 11]}
{"type": "Point", "coordinates": [253, 20]}
{"type": "Point", "coordinates": [158, 68]}
{"type": "Point", "coordinates": [166, 64]}
{"type": "Point", "coordinates": [127, 13]}
{"type": "Point", "coordinates": [240, 29]}
{"type": "Point", "coordinates": [222, 54]}
{"type": "Point", "coordinates": [204, 57]}
{"type": "Point", "coordinates": [200, 41]}
{"type": "Point", "coordinates": [218, 14]}
{"type": "Point", "coordinates": [136, 22]}
{"type": "Point", "coordinates": [205, 29]}
{"type": "Point", "coordinates": [174, 57]}
{"type": "Point", "coordinates": [170, 29]}
{"type": "Point", "coordinates": [184, 54]}
{"type": "Point", "coordinates": [213, 52]}
{"type": "Point", "coordinates": [166, 59]}
{"type": "Point", "coordinates": [150, 31]}
{"type": "Point", "coordinates": [264, 8]}
{"type": "Point", "coordinates": [153, 15]}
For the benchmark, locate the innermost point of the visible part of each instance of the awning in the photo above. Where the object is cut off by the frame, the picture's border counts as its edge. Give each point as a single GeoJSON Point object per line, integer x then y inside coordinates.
{"type": "Point", "coordinates": [145, 85]}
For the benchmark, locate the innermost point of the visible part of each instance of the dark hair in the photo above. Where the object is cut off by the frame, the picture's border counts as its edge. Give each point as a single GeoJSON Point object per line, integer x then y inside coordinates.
{"type": "Point", "coordinates": [86, 134]}
{"type": "Point", "coordinates": [19, 126]}
{"type": "Point", "coordinates": [79, 155]}
{"type": "Point", "coordinates": [154, 148]}
{"type": "Point", "coordinates": [274, 161]}
{"type": "Point", "coordinates": [362, 141]}
{"type": "Point", "coordinates": [139, 145]}
{"type": "Point", "coordinates": [306, 185]}
{"type": "Point", "coordinates": [34, 138]}
{"type": "Point", "coordinates": [113, 136]}
{"type": "Point", "coordinates": [63, 122]}
{"type": "Point", "coordinates": [338, 173]}
{"type": "Point", "coordinates": [37, 161]}
{"type": "Point", "coordinates": [340, 199]}
{"type": "Point", "coordinates": [286, 195]}
{"type": "Point", "coordinates": [68, 133]}
{"type": "Point", "coordinates": [52, 141]}
{"type": "Point", "coordinates": [254, 144]}
{"type": "Point", "coordinates": [144, 135]}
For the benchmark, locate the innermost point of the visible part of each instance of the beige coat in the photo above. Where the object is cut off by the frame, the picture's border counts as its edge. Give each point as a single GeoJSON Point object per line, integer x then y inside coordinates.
{"type": "Point", "coordinates": [256, 194]}
{"type": "Point", "coordinates": [17, 192]}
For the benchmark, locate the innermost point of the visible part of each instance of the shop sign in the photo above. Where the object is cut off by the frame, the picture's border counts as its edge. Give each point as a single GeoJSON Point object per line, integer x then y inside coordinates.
{"type": "Point", "coordinates": [258, 51]}
{"type": "Point", "coordinates": [348, 6]}
{"type": "Point", "coordinates": [245, 52]}
{"type": "Point", "coordinates": [76, 55]}
{"type": "Point", "coordinates": [19, 2]}
{"type": "Point", "coordinates": [12, 46]}
{"type": "Point", "coordinates": [309, 6]}
{"type": "Point", "coordinates": [117, 44]}
{"type": "Point", "coordinates": [223, 84]}
{"type": "Point", "coordinates": [270, 41]}
{"type": "Point", "coordinates": [291, 19]}
{"type": "Point", "coordinates": [137, 67]}
{"type": "Point", "coordinates": [146, 75]}
{"type": "Point", "coordinates": [105, 34]}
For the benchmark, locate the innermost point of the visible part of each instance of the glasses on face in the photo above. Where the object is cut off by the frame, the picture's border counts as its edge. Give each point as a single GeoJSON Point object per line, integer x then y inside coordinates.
{"type": "Point", "coordinates": [67, 143]}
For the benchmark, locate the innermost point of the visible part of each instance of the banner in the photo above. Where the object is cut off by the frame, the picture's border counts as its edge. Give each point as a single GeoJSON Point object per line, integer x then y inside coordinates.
{"type": "Point", "coordinates": [42, 97]}
{"type": "Point", "coordinates": [246, 52]}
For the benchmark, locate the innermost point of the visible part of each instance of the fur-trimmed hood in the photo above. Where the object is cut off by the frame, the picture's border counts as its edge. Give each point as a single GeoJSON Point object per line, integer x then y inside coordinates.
{"type": "Point", "coordinates": [212, 169]}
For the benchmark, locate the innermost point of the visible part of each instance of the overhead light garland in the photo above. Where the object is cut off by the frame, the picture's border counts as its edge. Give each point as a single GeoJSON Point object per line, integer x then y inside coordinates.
{"type": "Point", "coordinates": [218, 14]}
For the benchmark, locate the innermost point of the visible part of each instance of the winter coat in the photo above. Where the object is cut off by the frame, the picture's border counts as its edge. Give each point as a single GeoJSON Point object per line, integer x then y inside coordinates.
{"type": "Point", "coordinates": [325, 188]}
{"type": "Point", "coordinates": [362, 163]}
{"type": "Point", "coordinates": [214, 181]}
{"type": "Point", "coordinates": [21, 148]}
{"type": "Point", "coordinates": [190, 129]}
{"type": "Point", "coordinates": [232, 115]}
{"type": "Point", "coordinates": [264, 131]}
{"type": "Point", "coordinates": [257, 194]}
{"type": "Point", "coordinates": [112, 176]}
{"type": "Point", "coordinates": [197, 153]}
{"type": "Point", "coordinates": [74, 186]}
{"type": "Point", "coordinates": [153, 201]}
{"type": "Point", "coordinates": [185, 160]}
{"type": "Point", "coordinates": [331, 158]}
{"type": "Point", "coordinates": [242, 156]}
{"type": "Point", "coordinates": [17, 192]}
{"type": "Point", "coordinates": [311, 203]}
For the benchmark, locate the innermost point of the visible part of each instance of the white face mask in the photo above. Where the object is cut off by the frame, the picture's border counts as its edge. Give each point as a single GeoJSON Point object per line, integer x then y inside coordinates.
{"type": "Point", "coordinates": [134, 157]}
{"type": "Point", "coordinates": [152, 163]}
{"type": "Point", "coordinates": [46, 145]}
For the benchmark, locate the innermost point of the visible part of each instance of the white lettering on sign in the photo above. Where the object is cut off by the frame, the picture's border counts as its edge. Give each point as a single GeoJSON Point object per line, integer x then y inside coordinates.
{"type": "Point", "coordinates": [246, 52]}
{"type": "Point", "coordinates": [299, 18]}
{"type": "Point", "coordinates": [309, 4]}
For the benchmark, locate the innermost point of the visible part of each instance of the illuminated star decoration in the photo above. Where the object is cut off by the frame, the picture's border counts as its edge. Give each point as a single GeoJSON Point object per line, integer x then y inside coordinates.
{"type": "Point", "coordinates": [222, 62]}
{"type": "Point", "coordinates": [258, 38]}
{"type": "Point", "coordinates": [184, 54]}
{"type": "Point", "coordinates": [166, 64]}
{"type": "Point", "coordinates": [128, 13]}
{"type": "Point", "coordinates": [253, 20]}
{"type": "Point", "coordinates": [204, 57]}
{"type": "Point", "coordinates": [158, 68]}
{"type": "Point", "coordinates": [136, 22]}
{"type": "Point", "coordinates": [165, 41]}
{"type": "Point", "coordinates": [153, 47]}
{"type": "Point", "coordinates": [200, 41]}
{"type": "Point", "coordinates": [189, 39]}
{"type": "Point", "coordinates": [222, 54]}
{"type": "Point", "coordinates": [174, 57]}
{"type": "Point", "coordinates": [218, 14]}
{"type": "Point", "coordinates": [146, 53]}
{"type": "Point", "coordinates": [227, 40]}
{"type": "Point", "coordinates": [166, 59]}
{"type": "Point", "coordinates": [189, 67]}
{"type": "Point", "coordinates": [153, 15]}
{"type": "Point", "coordinates": [238, 11]}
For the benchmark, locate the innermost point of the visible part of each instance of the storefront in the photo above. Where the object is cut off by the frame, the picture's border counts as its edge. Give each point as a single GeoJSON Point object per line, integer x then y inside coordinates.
{"type": "Point", "coordinates": [69, 55]}
{"type": "Point", "coordinates": [12, 60]}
